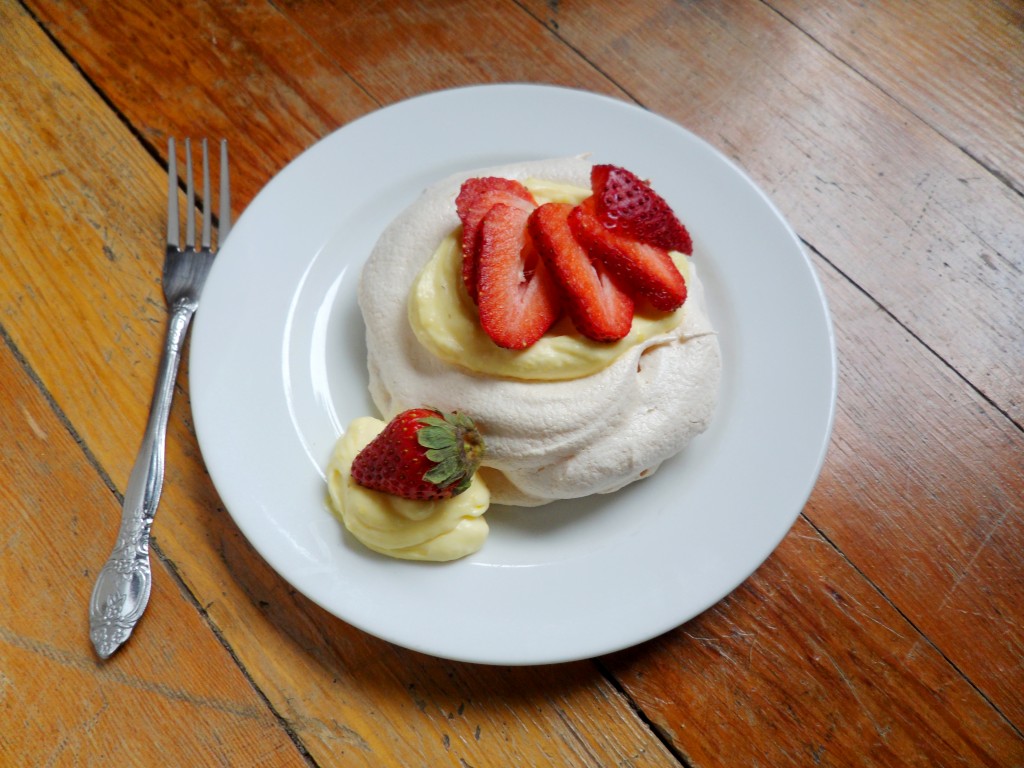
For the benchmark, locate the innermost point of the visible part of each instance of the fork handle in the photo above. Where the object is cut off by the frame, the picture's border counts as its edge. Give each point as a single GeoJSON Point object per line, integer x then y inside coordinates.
{"type": "Point", "coordinates": [122, 588]}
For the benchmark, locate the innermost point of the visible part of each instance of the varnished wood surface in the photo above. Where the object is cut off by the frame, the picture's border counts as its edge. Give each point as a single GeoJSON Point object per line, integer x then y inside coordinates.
{"type": "Point", "coordinates": [887, 627]}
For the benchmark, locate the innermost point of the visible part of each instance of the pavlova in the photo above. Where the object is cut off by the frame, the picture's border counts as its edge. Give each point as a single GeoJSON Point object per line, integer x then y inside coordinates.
{"type": "Point", "coordinates": [534, 332]}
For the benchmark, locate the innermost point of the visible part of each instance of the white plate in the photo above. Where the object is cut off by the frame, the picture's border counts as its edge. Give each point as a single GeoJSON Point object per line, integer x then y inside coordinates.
{"type": "Point", "coordinates": [278, 370]}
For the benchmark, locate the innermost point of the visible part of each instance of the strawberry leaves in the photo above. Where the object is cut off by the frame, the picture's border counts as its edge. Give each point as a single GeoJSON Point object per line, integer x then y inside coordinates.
{"type": "Point", "coordinates": [422, 454]}
{"type": "Point", "coordinates": [445, 441]}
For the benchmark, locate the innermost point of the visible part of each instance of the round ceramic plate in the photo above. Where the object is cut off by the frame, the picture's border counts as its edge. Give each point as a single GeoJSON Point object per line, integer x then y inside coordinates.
{"type": "Point", "coordinates": [278, 370]}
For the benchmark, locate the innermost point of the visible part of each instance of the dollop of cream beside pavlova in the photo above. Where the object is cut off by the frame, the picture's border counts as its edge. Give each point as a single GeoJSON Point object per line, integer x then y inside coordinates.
{"type": "Point", "coordinates": [404, 528]}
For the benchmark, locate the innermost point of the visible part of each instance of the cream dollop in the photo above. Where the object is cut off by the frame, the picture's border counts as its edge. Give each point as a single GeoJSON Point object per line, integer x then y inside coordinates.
{"type": "Point", "coordinates": [546, 440]}
{"type": "Point", "coordinates": [403, 528]}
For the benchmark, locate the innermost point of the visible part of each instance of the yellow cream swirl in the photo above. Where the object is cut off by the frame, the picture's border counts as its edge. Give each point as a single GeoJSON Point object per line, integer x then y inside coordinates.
{"type": "Point", "coordinates": [403, 528]}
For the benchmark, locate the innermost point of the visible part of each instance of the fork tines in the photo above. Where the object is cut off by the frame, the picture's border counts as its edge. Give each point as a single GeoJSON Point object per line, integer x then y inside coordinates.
{"type": "Point", "coordinates": [224, 216]}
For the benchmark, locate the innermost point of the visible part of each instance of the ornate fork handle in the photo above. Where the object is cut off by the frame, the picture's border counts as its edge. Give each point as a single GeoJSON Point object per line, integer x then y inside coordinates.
{"type": "Point", "coordinates": [122, 588]}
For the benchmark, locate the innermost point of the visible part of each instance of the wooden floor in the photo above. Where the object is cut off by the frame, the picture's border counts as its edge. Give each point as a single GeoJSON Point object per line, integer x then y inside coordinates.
{"type": "Point", "coordinates": [888, 627]}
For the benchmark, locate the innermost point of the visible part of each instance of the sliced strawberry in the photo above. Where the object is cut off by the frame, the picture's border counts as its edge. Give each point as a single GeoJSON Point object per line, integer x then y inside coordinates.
{"type": "Point", "coordinates": [628, 205]}
{"type": "Point", "coordinates": [598, 307]}
{"type": "Point", "coordinates": [517, 298]}
{"type": "Point", "coordinates": [645, 270]}
{"type": "Point", "coordinates": [476, 197]}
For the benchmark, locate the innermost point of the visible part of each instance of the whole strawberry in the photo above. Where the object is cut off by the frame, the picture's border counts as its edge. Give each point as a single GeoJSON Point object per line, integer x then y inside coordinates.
{"type": "Point", "coordinates": [422, 454]}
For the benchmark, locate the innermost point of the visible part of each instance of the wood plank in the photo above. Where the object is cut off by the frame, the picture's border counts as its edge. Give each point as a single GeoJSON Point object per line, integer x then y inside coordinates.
{"type": "Point", "coordinates": [806, 664]}
{"type": "Point", "coordinates": [399, 50]}
{"type": "Point", "coordinates": [214, 69]}
{"type": "Point", "coordinates": [931, 234]}
{"type": "Point", "coordinates": [958, 65]}
{"type": "Point", "coordinates": [351, 699]}
{"type": "Point", "coordinates": [177, 699]}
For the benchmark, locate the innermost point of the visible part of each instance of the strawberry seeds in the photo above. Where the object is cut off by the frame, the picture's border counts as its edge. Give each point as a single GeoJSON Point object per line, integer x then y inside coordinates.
{"type": "Point", "coordinates": [524, 264]}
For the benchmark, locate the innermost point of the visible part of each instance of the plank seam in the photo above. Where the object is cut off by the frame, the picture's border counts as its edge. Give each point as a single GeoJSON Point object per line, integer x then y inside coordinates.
{"type": "Point", "coordinates": [659, 733]}
{"type": "Point", "coordinates": [313, 42]}
{"type": "Point", "coordinates": [58, 412]}
{"type": "Point", "coordinates": [999, 175]}
{"type": "Point", "coordinates": [552, 29]}
{"type": "Point", "coordinates": [147, 145]}
{"type": "Point", "coordinates": [924, 637]}
{"type": "Point", "coordinates": [154, 546]}
{"type": "Point", "coordinates": [282, 721]}
{"type": "Point", "coordinates": [910, 332]}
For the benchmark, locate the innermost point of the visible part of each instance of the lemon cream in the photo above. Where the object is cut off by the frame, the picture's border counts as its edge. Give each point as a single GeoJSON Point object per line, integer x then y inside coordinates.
{"type": "Point", "coordinates": [563, 419]}
{"type": "Point", "coordinates": [391, 525]}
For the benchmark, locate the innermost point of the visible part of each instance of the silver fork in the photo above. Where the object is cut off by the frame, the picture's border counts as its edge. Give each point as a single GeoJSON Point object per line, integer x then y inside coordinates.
{"type": "Point", "coordinates": [122, 588]}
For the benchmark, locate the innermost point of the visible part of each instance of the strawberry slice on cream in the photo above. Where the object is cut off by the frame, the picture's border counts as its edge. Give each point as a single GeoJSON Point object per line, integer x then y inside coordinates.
{"type": "Point", "coordinates": [517, 298]}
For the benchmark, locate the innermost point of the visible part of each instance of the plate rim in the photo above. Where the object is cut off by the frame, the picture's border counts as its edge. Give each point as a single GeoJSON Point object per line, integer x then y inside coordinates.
{"type": "Point", "coordinates": [517, 90]}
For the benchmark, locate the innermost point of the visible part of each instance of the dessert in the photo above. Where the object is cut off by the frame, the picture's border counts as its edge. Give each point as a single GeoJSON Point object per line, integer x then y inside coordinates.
{"type": "Point", "coordinates": [576, 434]}
{"type": "Point", "coordinates": [555, 302]}
{"type": "Point", "coordinates": [436, 529]}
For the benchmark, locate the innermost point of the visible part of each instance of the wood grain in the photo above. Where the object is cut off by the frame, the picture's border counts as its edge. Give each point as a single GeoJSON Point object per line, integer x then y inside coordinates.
{"type": "Point", "coordinates": [232, 70]}
{"type": "Point", "coordinates": [350, 699]}
{"type": "Point", "coordinates": [885, 630]}
{"type": "Point", "coordinates": [60, 705]}
{"type": "Point", "coordinates": [399, 50]}
{"type": "Point", "coordinates": [806, 664]}
{"type": "Point", "coordinates": [957, 65]}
